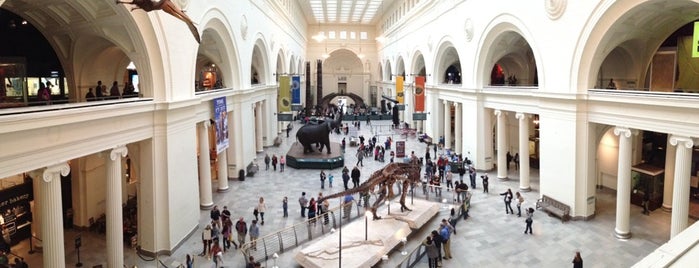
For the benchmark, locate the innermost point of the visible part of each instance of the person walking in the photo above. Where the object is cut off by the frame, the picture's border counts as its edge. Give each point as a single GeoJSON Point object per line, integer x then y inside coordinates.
{"type": "Point", "coordinates": [484, 177]}
{"type": "Point", "coordinates": [520, 200]}
{"type": "Point", "coordinates": [355, 177]}
{"type": "Point", "coordinates": [267, 160]}
{"type": "Point", "coordinates": [261, 208]}
{"type": "Point", "coordinates": [241, 227]}
{"type": "Point", "coordinates": [345, 177]}
{"type": "Point", "coordinates": [282, 162]}
{"type": "Point", "coordinates": [577, 260]}
{"type": "Point", "coordinates": [445, 232]}
{"type": "Point", "coordinates": [529, 221]}
{"type": "Point", "coordinates": [360, 158]}
{"type": "Point", "coordinates": [508, 201]}
{"type": "Point", "coordinates": [274, 162]}
{"type": "Point", "coordinates": [285, 206]}
{"type": "Point", "coordinates": [254, 234]}
{"type": "Point", "coordinates": [303, 202]}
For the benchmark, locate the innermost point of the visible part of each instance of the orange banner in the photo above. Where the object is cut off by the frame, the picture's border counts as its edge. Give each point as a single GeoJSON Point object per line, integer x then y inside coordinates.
{"type": "Point", "coordinates": [399, 89]}
{"type": "Point", "coordinates": [419, 94]}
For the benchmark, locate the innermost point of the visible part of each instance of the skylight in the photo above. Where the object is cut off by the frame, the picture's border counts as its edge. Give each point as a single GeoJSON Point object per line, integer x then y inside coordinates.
{"type": "Point", "coordinates": [344, 11]}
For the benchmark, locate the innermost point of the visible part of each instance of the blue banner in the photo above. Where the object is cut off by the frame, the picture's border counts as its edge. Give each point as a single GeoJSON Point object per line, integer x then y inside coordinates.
{"type": "Point", "coordinates": [221, 124]}
{"type": "Point", "coordinates": [296, 89]}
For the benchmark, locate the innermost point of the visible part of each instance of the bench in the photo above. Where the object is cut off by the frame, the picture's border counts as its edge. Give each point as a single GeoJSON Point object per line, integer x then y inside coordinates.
{"type": "Point", "coordinates": [552, 206]}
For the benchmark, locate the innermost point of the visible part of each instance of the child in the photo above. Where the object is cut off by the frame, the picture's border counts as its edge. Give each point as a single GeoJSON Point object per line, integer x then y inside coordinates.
{"type": "Point", "coordinates": [330, 180]}
{"type": "Point", "coordinates": [285, 206]}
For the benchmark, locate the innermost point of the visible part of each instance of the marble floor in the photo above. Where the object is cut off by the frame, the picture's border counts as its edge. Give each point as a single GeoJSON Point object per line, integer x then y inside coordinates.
{"type": "Point", "coordinates": [488, 239]}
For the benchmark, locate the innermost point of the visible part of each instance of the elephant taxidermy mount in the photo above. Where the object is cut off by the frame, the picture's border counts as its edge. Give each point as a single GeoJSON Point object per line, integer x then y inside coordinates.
{"type": "Point", "coordinates": [167, 6]}
{"type": "Point", "coordinates": [310, 134]}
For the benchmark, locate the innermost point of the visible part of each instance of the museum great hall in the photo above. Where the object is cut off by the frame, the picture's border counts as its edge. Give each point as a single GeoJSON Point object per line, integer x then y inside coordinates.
{"type": "Point", "coordinates": [598, 94]}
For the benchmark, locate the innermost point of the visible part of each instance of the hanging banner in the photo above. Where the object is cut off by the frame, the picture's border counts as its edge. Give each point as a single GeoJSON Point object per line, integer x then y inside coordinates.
{"type": "Point", "coordinates": [419, 93]}
{"type": "Point", "coordinates": [284, 100]}
{"type": "Point", "coordinates": [221, 124]}
{"type": "Point", "coordinates": [295, 89]}
{"type": "Point", "coordinates": [399, 89]}
{"type": "Point", "coordinates": [695, 40]}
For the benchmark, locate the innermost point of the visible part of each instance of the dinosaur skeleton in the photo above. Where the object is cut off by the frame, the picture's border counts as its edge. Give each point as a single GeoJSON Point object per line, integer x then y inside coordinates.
{"type": "Point", "coordinates": [167, 6]}
{"type": "Point", "coordinates": [384, 178]}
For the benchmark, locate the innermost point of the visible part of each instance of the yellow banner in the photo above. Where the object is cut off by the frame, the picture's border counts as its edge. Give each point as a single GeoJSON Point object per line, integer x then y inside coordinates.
{"type": "Point", "coordinates": [284, 95]}
{"type": "Point", "coordinates": [695, 41]}
{"type": "Point", "coordinates": [399, 89]}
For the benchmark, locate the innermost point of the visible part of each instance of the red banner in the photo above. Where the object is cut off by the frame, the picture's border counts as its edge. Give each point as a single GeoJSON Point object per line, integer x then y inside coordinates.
{"type": "Point", "coordinates": [419, 93]}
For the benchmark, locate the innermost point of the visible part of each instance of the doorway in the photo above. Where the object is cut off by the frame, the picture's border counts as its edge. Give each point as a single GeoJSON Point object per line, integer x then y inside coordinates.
{"type": "Point", "coordinates": [342, 88]}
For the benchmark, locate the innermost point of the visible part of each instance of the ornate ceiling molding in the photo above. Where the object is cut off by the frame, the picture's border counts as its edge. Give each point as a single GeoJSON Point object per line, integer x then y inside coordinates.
{"type": "Point", "coordinates": [468, 29]}
{"type": "Point", "coordinates": [244, 27]}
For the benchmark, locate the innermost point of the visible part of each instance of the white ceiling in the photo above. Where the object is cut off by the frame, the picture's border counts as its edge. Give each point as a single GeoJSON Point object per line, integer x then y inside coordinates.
{"type": "Point", "coordinates": [344, 11]}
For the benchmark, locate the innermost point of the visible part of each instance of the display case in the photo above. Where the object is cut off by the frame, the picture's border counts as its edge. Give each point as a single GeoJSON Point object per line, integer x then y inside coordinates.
{"type": "Point", "coordinates": [13, 82]}
{"type": "Point", "coordinates": [647, 178]}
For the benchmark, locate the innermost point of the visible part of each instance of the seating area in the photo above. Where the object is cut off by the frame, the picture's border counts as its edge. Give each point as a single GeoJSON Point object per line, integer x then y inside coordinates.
{"type": "Point", "coordinates": [552, 206]}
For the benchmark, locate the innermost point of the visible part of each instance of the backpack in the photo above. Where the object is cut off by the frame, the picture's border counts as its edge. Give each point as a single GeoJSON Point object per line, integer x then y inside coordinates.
{"type": "Point", "coordinates": [240, 227]}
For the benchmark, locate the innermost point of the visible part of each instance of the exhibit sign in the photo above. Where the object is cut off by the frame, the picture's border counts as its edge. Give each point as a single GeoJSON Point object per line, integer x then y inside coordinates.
{"type": "Point", "coordinates": [400, 149]}
{"type": "Point", "coordinates": [221, 124]}
{"type": "Point", "coordinates": [296, 89]}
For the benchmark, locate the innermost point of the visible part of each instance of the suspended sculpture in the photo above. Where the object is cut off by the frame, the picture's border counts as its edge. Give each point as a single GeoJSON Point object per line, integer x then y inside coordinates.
{"type": "Point", "coordinates": [167, 6]}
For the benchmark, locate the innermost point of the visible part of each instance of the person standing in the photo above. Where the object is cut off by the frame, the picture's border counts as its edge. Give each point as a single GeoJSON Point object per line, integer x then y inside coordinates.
{"type": "Point", "coordinates": [267, 160]}
{"type": "Point", "coordinates": [241, 227]}
{"type": "Point", "coordinates": [330, 180]}
{"type": "Point", "coordinates": [472, 176]}
{"type": "Point", "coordinates": [529, 221]}
{"type": "Point", "coordinates": [432, 253]}
{"type": "Point", "coordinates": [282, 162]}
{"type": "Point", "coordinates": [347, 205]}
{"type": "Point", "coordinates": [285, 206]}
{"type": "Point", "coordinates": [189, 262]}
{"type": "Point", "coordinates": [254, 234]}
{"type": "Point", "coordinates": [520, 200]}
{"type": "Point", "coordinates": [90, 96]}
{"type": "Point", "coordinates": [312, 208]}
{"type": "Point", "coordinates": [445, 232]}
{"type": "Point", "coordinates": [322, 179]}
{"type": "Point", "coordinates": [98, 90]}
{"type": "Point", "coordinates": [355, 177]}
{"type": "Point", "coordinates": [577, 260]}
{"type": "Point", "coordinates": [274, 162]}
{"type": "Point", "coordinates": [438, 241]}
{"type": "Point", "coordinates": [215, 215]}
{"type": "Point", "coordinates": [345, 177]}
{"type": "Point", "coordinates": [206, 240]}
{"type": "Point", "coordinates": [303, 202]}
{"type": "Point", "coordinates": [114, 91]}
{"type": "Point", "coordinates": [216, 254]}
{"type": "Point", "coordinates": [261, 208]}
{"type": "Point", "coordinates": [508, 201]}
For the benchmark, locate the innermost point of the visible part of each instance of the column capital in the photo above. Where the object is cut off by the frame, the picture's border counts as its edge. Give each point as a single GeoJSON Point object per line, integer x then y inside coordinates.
{"type": "Point", "coordinates": [625, 131]}
{"type": "Point", "coordinates": [456, 104]}
{"type": "Point", "coordinates": [52, 172]}
{"type": "Point", "coordinates": [206, 123]}
{"type": "Point", "coordinates": [522, 116]}
{"type": "Point", "coordinates": [446, 102]}
{"type": "Point", "coordinates": [676, 140]}
{"type": "Point", "coordinates": [119, 150]}
{"type": "Point", "coordinates": [498, 113]}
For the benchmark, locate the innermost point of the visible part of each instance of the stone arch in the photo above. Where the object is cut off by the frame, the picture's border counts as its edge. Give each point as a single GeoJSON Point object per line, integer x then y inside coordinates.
{"type": "Point", "coordinates": [388, 73]}
{"type": "Point", "coordinates": [259, 66]}
{"type": "Point", "coordinates": [418, 67]}
{"type": "Point", "coordinates": [218, 47]}
{"type": "Point", "coordinates": [644, 26]}
{"type": "Point", "coordinates": [400, 66]}
{"type": "Point", "coordinates": [281, 66]}
{"type": "Point", "coordinates": [506, 40]}
{"type": "Point", "coordinates": [447, 69]}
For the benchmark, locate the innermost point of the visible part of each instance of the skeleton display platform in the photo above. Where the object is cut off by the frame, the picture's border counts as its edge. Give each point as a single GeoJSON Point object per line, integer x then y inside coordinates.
{"type": "Point", "coordinates": [382, 236]}
{"type": "Point", "coordinates": [295, 157]}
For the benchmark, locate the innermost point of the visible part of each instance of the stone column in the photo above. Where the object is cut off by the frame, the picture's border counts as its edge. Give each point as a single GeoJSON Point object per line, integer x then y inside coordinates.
{"type": "Point", "coordinates": [115, 230]}
{"type": "Point", "coordinates": [523, 152]}
{"type": "Point", "coordinates": [447, 125]}
{"type": "Point", "coordinates": [52, 216]}
{"type": "Point", "coordinates": [223, 172]}
{"type": "Point", "coordinates": [259, 128]}
{"type": "Point", "coordinates": [623, 192]}
{"type": "Point", "coordinates": [680, 195]}
{"type": "Point", "coordinates": [458, 128]}
{"type": "Point", "coordinates": [669, 175]}
{"type": "Point", "coordinates": [205, 199]}
{"type": "Point", "coordinates": [502, 147]}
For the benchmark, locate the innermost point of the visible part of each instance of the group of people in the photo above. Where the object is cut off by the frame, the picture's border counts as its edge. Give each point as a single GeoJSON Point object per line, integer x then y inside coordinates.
{"type": "Point", "coordinates": [274, 160]}
{"type": "Point", "coordinates": [507, 198]}
{"type": "Point", "coordinates": [313, 208]}
{"type": "Point", "coordinates": [438, 242]}
{"type": "Point", "coordinates": [100, 91]}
